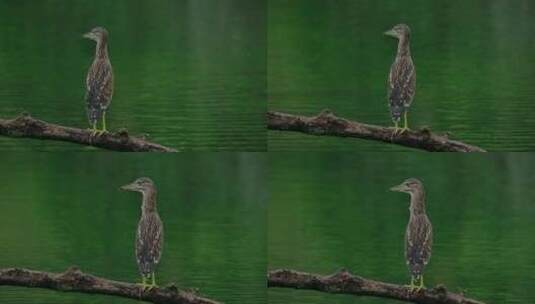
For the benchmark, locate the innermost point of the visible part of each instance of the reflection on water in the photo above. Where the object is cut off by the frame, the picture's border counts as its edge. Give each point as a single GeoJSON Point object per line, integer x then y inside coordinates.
{"type": "Point", "coordinates": [474, 62]}
{"type": "Point", "coordinates": [191, 74]}
{"type": "Point", "coordinates": [330, 211]}
{"type": "Point", "coordinates": [63, 210]}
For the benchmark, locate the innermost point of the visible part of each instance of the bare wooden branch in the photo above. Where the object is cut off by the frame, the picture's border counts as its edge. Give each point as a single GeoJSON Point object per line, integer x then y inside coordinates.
{"type": "Point", "coordinates": [73, 280]}
{"type": "Point", "coordinates": [28, 127]}
{"type": "Point", "coordinates": [344, 282]}
{"type": "Point", "coordinates": [327, 123]}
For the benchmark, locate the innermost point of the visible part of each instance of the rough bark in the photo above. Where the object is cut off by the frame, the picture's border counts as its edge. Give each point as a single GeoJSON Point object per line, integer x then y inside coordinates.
{"type": "Point", "coordinates": [344, 282]}
{"type": "Point", "coordinates": [26, 126]}
{"type": "Point", "coordinates": [73, 280]}
{"type": "Point", "coordinates": [327, 123]}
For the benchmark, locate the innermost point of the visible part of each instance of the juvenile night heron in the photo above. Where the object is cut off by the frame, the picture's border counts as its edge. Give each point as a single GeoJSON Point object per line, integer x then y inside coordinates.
{"type": "Point", "coordinates": [149, 236]}
{"type": "Point", "coordinates": [419, 233]}
{"type": "Point", "coordinates": [99, 81]}
{"type": "Point", "coordinates": [402, 78]}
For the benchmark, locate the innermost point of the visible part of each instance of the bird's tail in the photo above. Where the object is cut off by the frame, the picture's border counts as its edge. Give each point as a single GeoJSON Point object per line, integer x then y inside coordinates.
{"type": "Point", "coordinates": [94, 114]}
{"type": "Point", "coordinates": [416, 269]}
{"type": "Point", "coordinates": [396, 111]}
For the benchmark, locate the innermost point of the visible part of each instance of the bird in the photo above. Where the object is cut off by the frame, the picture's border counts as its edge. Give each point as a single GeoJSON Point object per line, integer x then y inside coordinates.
{"type": "Point", "coordinates": [419, 233]}
{"type": "Point", "coordinates": [149, 234]}
{"type": "Point", "coordinates": [402, 78]}
{"type": "Point", "coordinates": [99, 81]}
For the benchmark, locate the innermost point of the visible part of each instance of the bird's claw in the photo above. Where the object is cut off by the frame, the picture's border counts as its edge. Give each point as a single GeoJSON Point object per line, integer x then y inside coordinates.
{"type": "Point", "coordinates": [96, 132]}
{"type": "Point", "coordinates": [413, 288]}
{"type": "Point", "coordinates": [146, 287]}
{"type": "Point", "coordinates": [401, 131]}
{"type": "Point", "coordinates": [395, 132]}
{"type": "Point", "coordinates": [143, 286]}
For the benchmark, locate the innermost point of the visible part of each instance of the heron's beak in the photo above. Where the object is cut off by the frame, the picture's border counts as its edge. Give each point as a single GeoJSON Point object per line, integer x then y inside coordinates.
{"type": "Point", "coordinates": [391, 33]}
{"type": "Point", "coordinates": [129, 187]}
{"type": "Point", "coordinates": [88, 35]}
{"type": "Point", "coordinates": [399, 188]}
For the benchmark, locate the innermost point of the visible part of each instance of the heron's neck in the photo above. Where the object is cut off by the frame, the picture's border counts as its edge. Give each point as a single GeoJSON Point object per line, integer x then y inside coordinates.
{"type": "Point", "coordinates": [417, 206]}
{"type": "Point", "coordinates": [102, 49]}
{"type": "Point", "coordinates": [404, 46]}
{"type": "Point", "coordinates": [149, 201]}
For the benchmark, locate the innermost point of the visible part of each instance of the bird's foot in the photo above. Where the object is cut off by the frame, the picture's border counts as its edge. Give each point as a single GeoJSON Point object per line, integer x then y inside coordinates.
{"type": "Point", "coordinates": [421, 285]}
{"type": "Point", "coordinates": [102, 132]}
{"type": "Point", "coordinates": [403, 130]}
{"type": "Point", "coordinates": [147, 287]}
{"type": "Point", "coordinates": [151, 287]}
{"type": "Point", "coordinates": [411, 287]}
{"type": "Point", "coordinates": [143, 285]}
{"type": "Point", "coordinates": [415, 288]}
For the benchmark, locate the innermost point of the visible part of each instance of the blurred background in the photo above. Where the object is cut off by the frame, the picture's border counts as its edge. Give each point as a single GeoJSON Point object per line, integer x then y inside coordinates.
{"type": "Point", "coordinates": [58, 210]}
{"type": "Point", "coordinates": [191, 74]}
{"type": "Point", "coordinates": [333, 211]}
{"type": "Point", "coordinates": [475, 63]}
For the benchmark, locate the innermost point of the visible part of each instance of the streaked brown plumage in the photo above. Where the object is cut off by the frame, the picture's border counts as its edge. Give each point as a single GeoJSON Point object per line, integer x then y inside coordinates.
{"type": "Point", "coordinates": [149, 235]}
{"type": "Point", "coordinates": [402, 77]}
{"type": "Point", "coordinates": [419, 233]}
{"type": "Point", "coordinates": [99, 80]}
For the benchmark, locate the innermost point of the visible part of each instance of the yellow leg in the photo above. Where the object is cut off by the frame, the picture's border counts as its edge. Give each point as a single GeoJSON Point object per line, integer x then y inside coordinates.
{"type": "Point", "coordinates": [153, 283]}
{"type": "Point", "coordinates": [100, 132]}
{"type": "Point", "coordinates": [104, 122]}
{"type": "Point", "coordinates": [94, 128]}
{"type": "Point", "coordinates": [396, 127]}
{"type": "Point", "coordinates": [143, 283]}
{"type": "Point", "coordinates": [406, 123]}
{"type": "Point", "coordinates": [411, 286]}
{"type": "Point", "coordinates": [421, 284]}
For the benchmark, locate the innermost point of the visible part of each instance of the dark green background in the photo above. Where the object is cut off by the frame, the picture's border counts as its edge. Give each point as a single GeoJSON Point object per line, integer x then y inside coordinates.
{"type": "Point", "coordinates": [58, 210]}
{"type": "Point", "coordinates": [475, 63]}
{"type": "Point", "coordinates": [191, 74]}
{"type": "Point", "coordinates": [331, 211]}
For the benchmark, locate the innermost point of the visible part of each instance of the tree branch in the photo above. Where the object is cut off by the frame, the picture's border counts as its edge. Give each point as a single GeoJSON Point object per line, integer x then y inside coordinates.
{"type": "Point", "coordinates": [344, 282]}
{"type": "Point", "coordinates": [327, 123]}
{"type": "Point", "coordinates": [28, 127]}
{"type": "Point", "coordinates": [73, 280]}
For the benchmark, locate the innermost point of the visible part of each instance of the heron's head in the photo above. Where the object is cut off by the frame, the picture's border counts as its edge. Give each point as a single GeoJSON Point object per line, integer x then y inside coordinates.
{"type": "Point", "coordinates": [97, 34]}
{"type": "Point", "coordinates": [410, 186]}
{"type": "Point", "coordinates": [399, 31]}
{"type": "Point", "coordinates": [142, 184]}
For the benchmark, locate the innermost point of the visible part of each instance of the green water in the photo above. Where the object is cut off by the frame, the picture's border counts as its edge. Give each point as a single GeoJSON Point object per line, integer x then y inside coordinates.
{"type": "Point", "coordinates": [333, 211]}
{"type": "Point", "coordinates": [475, 63]}
{"type": "Point", "coordinates": [62, 210]}
{"type": "Point", "coordinates": [191, 74]}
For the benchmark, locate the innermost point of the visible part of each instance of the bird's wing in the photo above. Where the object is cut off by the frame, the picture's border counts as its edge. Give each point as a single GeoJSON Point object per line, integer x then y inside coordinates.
{"type": "Point", "coordinates": [99, 84]}
{"type": "Point", "coordinates": [428, 242]}
{"type": "Point", "coordinates": [158, 241]}
{"type": "Point", "coordinates": [419, 241]}
{"type": "Point", "coordinates": [141, 246]}
{"type": "Point", "coordinates": [401, 82]}
{"type": "Point", "coordinates": [149, 242]}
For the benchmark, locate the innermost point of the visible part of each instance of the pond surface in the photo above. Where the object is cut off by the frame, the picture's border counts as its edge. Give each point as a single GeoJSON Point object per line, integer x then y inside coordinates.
{"type": "Point", "coordinates": [190, 74]}
{"type": "Point", "coordinates": [475, 63]}
{"type": "Point", "coordinates": [62, 210]}
{"type": "Point", "coordinates": [333, 211]}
